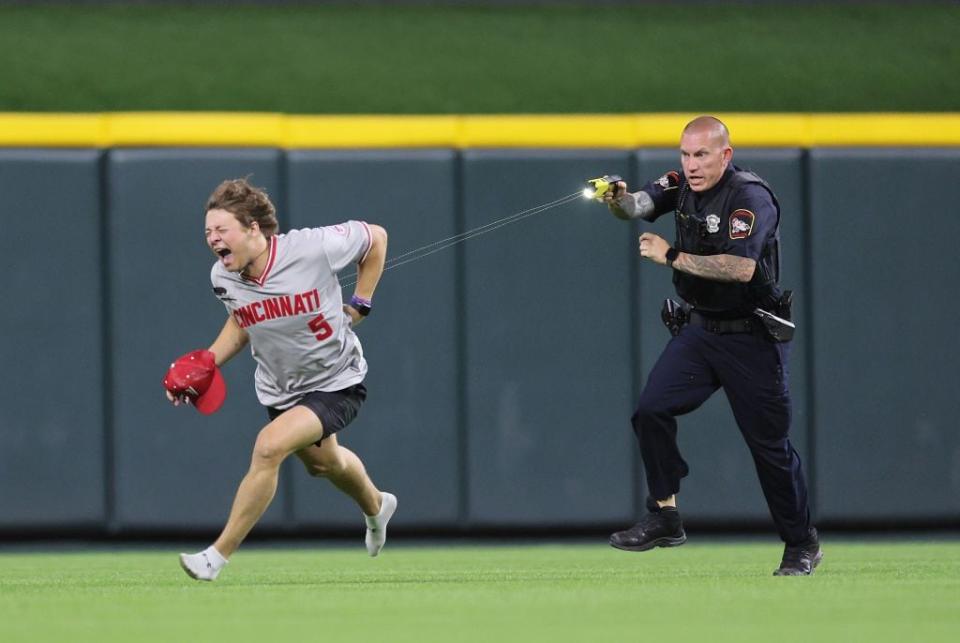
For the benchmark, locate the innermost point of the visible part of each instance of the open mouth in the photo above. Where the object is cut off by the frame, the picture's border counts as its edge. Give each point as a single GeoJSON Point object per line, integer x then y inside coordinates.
{"type": "Point", "coordinates": [224, 253]}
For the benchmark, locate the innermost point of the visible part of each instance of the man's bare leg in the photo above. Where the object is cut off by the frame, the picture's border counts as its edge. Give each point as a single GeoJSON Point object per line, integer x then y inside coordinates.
{"type": "Point", "coordinates": [345, 470]}
{"type": "Point", "coordinates": [285, 435]}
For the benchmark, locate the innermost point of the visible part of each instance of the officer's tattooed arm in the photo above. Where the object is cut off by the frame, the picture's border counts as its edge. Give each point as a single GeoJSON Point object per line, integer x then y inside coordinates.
{"type": "Point", "coordinates": [633, 205]}
{"type": "Point", "coordinates": [716, 267]}
{"type": "Point", "coordinates": [652, 200]}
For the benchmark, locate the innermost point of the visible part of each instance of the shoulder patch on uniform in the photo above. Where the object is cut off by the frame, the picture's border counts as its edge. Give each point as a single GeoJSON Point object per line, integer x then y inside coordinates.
{"type": "Point", "coordinates": [741, 224]}
{"type": "Point", "coordinates": [340, 229]}
{"type": "Point", "coordinates": [669, 181]}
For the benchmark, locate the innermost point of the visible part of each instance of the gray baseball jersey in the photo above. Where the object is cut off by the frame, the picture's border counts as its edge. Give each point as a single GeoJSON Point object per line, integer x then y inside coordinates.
{"type": "Point", "coordinates": [299, 335]}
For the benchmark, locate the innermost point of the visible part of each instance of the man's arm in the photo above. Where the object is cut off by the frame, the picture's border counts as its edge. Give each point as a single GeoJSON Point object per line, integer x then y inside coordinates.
{"type": "Point", "coordinates": [369, 270]}
{"type": "Point", "coordinates": [715, 267]}
{"type": "Point", "coordinates": [652, 200]}
{"type": "Point", "coordinates": [631, 205]}
{"type": "Point", "coordinates": [229, 342]}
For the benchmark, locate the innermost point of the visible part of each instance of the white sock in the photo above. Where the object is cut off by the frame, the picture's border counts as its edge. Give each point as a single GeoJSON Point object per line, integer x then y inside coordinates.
{"type": "Point", "coordinates": [373, 522]}
{"type": "Point", "coordinates": [204, 565]}
{"type": "Point", "coordinates": [377, 525]}
{"type": "Point", "coordinates": [215, 558]}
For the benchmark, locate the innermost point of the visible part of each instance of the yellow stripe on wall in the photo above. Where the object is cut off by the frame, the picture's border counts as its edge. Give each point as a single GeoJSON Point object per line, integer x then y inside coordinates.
{"type": "Point", "coordinates": [172, 129]}
{"type": "Point", "coordinates": [571, 130]}
{"type": "Point", "coordinates": [370, 131]}
{"type": "Point", "coordinates": [53, 130]}
{"type": "Point", "coordinates": [619, 131]}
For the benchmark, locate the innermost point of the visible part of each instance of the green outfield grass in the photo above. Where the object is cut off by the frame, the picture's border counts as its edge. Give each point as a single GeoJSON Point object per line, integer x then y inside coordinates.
{"type": "Point", "coordinates": [876, 592]}
{"type": "Point", "coordinates": [474, 60]}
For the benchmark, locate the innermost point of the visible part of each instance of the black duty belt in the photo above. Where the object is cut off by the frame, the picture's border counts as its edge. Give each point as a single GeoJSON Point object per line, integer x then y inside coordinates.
{"type": "Point", "coordinates": [725, 326]}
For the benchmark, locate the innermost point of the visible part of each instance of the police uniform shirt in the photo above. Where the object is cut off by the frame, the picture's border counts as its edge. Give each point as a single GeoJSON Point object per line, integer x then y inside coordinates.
{"type": "Point", "coordinates": [738, 216]}
{"type": "Point", "coordinates": [293, 313]}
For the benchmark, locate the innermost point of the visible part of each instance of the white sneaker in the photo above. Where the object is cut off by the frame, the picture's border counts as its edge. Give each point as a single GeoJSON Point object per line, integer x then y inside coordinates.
{"type": "Point", "coordinates": [204, 565]}
{"type": "Point", "coordinates": [377, 525]}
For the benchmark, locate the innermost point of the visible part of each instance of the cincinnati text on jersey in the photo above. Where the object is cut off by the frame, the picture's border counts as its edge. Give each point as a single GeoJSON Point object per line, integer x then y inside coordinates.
{"type": "Point", "coordinates": [274, 307]}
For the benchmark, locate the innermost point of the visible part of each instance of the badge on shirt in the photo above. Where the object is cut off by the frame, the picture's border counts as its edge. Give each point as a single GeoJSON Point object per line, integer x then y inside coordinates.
{"type": "Point", "coordinates": [713, 223]}
{"type": "Point", "coordinates": [741, 224]}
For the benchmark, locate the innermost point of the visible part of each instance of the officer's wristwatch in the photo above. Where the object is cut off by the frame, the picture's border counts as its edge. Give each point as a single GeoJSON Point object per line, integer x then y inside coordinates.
{"type": "Point", "coordinates": [672, 255]}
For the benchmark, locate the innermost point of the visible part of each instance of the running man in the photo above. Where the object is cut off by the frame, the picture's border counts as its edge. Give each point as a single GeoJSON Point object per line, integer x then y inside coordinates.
{"type": "Point", "coordinates": [283, 298]}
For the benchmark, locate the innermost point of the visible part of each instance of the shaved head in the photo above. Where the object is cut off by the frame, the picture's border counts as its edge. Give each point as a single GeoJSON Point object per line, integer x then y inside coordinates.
{"type": "Point", "coordinates": [711, 125]}
{"type": "Point", "coordinates": [705, 152]}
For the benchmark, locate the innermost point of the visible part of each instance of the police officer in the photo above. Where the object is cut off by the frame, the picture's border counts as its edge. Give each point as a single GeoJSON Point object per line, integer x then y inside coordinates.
{"type": "Point", "coordinates": [731, 331]}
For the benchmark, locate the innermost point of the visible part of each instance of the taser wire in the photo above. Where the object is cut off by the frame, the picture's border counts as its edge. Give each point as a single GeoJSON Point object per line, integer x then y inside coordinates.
{"type": "Point", "coordinates": [430, 248]}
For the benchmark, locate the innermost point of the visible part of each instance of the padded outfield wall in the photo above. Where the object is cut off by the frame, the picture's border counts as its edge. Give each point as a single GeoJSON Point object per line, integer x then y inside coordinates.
{"type": "Point", "coordinates": [503, 370]}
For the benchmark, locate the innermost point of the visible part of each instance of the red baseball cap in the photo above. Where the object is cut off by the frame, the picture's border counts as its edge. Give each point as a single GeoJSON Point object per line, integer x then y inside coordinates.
{"type": "Point", "coordinates": [196, 375]}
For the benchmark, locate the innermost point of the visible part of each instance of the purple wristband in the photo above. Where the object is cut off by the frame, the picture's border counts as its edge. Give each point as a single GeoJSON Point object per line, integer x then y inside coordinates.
{"type": "Point", "coordinates": [361, 305]}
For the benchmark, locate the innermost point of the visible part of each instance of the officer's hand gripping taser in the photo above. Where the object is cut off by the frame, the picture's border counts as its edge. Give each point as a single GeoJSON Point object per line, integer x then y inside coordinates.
{"type": "Point", "coordinates": [599, 187]}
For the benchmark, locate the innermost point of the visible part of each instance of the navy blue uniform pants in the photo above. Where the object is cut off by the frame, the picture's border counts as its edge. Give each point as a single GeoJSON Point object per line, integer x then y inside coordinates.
{"type": "Point", "coordinates": [753, 373]}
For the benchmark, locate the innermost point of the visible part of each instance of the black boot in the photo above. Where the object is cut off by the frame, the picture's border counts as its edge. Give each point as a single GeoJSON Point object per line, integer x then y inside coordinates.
{"type": "Point", "coordinates": [661, 527]}
{"type": "Point", "coordinates": [802, 559]}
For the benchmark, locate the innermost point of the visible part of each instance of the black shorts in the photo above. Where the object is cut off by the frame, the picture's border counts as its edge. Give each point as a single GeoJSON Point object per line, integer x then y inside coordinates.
{"type": "Point", "coordinates": [336, 409]}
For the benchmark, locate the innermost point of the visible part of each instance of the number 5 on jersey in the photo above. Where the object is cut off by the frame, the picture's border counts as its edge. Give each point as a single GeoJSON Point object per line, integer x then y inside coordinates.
{"type": "Point", "coordinates": [321, 327]}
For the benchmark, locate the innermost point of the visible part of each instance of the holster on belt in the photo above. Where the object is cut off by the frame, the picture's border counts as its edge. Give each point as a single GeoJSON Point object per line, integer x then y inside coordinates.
{"type": "Point", "coordinates": [674, 315]}
{"type": "Point", "coordinates": [778, 323]}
